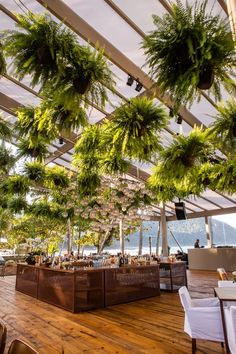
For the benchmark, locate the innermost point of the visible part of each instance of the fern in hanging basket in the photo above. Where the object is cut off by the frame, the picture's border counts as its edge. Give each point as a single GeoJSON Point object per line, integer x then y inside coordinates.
{"type": "Point", "coordinates": [113, 164]}
{"type": "Point", "coordinates": [190, 49]}
{"type": "Point", "coordinates": [16, 184]}
{"type": "Point", "coordinates": [87, 77]}
{"type": "Point", "coordinates": [7, 160]}
{"type": "Point", "coordinates": [56, 178]}
{"type": "Point", "coordinates": [66, 120]}
{"type": "Point", "coordinates": [223, 129]}
{"type": "Point", "coordinates": [5, 130]}
{"type": "Point", "coordinates": [36, 149]}
{"type": "Point", "coordinates": [87, 183]}
{"type": "Point", "coordinates": [35, 121]}
{"type": "Point", "coordinates": [41, 208]}
{"type": "Point", "coordinates": [185, 154]}
{"type": "Point", "coordinates": [17, 204]}
{"type": "Point", "coordinates": [135, 128]}
{"type": "Point", "coordinates": [40, 47]}
{"type": "Point", "coordinates": [223, 176]}
{"type": "Point", "coordinates": [3, 65]}
{"type": "Point", "coordinates": [35, 171]}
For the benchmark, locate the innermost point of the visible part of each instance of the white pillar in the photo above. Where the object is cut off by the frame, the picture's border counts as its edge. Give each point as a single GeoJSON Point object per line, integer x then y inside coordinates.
{"type": "Point", "coordinates": [158, 238]}
{"type": "Point", "coordinates": [208, 231]}
{"type": "Point", "coordinates": [140, 249]}
{"type": "Point", "coordinates": [231, 6]}
{"type": "Point", "coordinates": [122, 241]}
{"type": "Point", "coordinates": [164, 230]}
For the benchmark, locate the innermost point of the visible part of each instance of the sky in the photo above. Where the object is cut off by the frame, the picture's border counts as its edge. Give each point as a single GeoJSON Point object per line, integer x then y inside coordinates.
{"type": "Point", "coordinates": [228, 218]}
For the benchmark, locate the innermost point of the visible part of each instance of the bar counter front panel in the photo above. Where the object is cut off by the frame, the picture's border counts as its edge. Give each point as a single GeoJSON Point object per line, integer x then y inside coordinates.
{"type": "Point", "coordinates": [83, 290]}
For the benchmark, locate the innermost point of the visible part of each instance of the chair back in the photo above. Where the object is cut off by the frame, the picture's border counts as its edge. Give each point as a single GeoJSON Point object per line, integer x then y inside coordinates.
{"type": "Point", "coordinates": [3, 337]}
{"type": "Point", "coordinates": [185, 297]}
{"type": "Point", "coordinates": [19, 347]}
{"type": "Point", "coordinates": [222, 274]}
{"type": "Point", "coordinates": [226, 284]}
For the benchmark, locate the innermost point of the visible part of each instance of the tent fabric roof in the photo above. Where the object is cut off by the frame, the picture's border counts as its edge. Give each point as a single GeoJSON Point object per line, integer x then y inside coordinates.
{"type": "Point", "coordinates": [119, 27]}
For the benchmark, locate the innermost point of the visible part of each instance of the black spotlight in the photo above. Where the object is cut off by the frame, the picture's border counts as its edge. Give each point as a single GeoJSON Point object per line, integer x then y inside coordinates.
{"type": "Point", "coordinates": [171, 112]}
{"type": "Point", "coordinates": [61, 141]}
{"type": "Point", "coordinates": [139, 86]}
{"type": "Point", "coordinates": [130, 80]}
{"type": "Point", "coordinates": [179, 119]}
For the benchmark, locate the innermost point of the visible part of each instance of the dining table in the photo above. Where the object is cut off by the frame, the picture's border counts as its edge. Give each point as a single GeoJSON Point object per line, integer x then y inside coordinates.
{"type": "Point", "coordinates": [225, 294]}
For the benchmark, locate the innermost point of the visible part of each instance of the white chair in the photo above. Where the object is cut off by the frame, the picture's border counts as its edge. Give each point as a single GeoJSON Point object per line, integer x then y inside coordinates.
{"type": "Point", "coordinates": [226, 284]}
{"type": "Point", "coordinates": [230, 321]}
{"type": "Point", "coordinates": [202, 318]}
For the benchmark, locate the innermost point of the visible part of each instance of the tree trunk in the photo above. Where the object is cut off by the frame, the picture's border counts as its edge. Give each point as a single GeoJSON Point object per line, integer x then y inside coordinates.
{"type": "Point", "coordinates": [68, 236]}
{"type": "Point", "coordinates": [78, 245]}
{"type": "Point", "coordinates": [158, 238]}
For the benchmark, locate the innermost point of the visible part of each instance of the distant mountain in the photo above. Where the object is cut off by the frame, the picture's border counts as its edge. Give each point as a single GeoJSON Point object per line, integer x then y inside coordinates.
{"type": "Point", "coordinates": [186, 232]}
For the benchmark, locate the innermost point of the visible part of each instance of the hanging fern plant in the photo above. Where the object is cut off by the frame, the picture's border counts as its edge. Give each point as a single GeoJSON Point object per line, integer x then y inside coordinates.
{"type": "Point", "coordinates": [88, 183]}
{"type": "Point", "coordinates": [36, 149]}
{"type": "Point", "coordinates": [223, 176]}
{"type": "Point", "coordinates": [190, 50]}
{"type": "Point", "coordinates": [7, 160]}
{"type": "Point", "coordinates": [5, 130]}
{"type": "Point", "coordinates": [16, 184]}
{"type": "Point", "coordinates": [223, 129]}
{"type": "Point", "coordinates": [185, 154]}
{"type": "Point", "coordinates": [17, 204]}
{"type": "Point", "coordinates": [40, 48]}
{"type": "Point", "coordinates": [87, 77]}
{"type": "Point", "coordinates": [135, 128]}
{"type": "Point", "coordinates": [56, 178]}
{"type": "Point", "coordinates": [3, 65]}
{"type": "Point", "coordinates": [35, 171]}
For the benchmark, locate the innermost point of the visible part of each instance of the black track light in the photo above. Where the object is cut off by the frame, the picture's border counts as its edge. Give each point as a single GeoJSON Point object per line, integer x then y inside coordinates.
{"type": "Point", "coordinates": [171, 112]}
{"type": "Point", "coordinates": [130, 80]}
{"type": "Point", "coordinates": [179, 119]}
{"type": "Point", "coordinates": [139, 86]}
{"type": "Point", "coordinates": [61, 141]}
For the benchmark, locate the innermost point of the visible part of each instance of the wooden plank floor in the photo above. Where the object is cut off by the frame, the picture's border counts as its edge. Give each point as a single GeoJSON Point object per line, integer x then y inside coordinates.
{"type": "Point", "coordinates": [154, 325]}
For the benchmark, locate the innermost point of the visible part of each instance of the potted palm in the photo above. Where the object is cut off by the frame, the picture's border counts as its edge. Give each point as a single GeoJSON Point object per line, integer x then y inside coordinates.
{"type": "Point", "coordinates": [40, 48]}
{"type": "Point", "coordinates": [190, 50]}
{"type": "Point", "coordinates": [135, 128]}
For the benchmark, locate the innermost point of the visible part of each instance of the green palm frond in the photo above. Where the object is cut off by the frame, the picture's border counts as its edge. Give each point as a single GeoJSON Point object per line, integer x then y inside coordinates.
{"type": "Point", "coordinates": [190, 47]}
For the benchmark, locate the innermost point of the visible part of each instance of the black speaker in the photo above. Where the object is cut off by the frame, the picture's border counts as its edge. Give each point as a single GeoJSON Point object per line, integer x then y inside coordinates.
{"type": "Point", "coordinates": [180, 211]}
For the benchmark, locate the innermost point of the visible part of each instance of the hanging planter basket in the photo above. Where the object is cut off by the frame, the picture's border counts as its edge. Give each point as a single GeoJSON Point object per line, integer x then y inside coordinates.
{"type": "Point", "coordinates": [82, 84]}
{"type": "Point", "coordinates": [206, 79]}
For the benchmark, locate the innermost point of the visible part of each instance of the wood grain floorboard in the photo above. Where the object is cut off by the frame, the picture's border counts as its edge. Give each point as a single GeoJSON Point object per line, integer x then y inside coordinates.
{"type": "Point", "coordinates": [149, 326]}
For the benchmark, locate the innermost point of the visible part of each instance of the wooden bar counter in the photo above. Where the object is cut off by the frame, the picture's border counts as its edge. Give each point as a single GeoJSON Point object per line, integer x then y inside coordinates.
{"type": "Point", "coordinates": [90, 288]}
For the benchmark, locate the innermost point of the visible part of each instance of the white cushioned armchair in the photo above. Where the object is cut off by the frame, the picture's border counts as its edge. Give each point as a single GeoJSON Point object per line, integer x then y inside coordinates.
{"type": "Point", "coordinates": [202, 318]}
